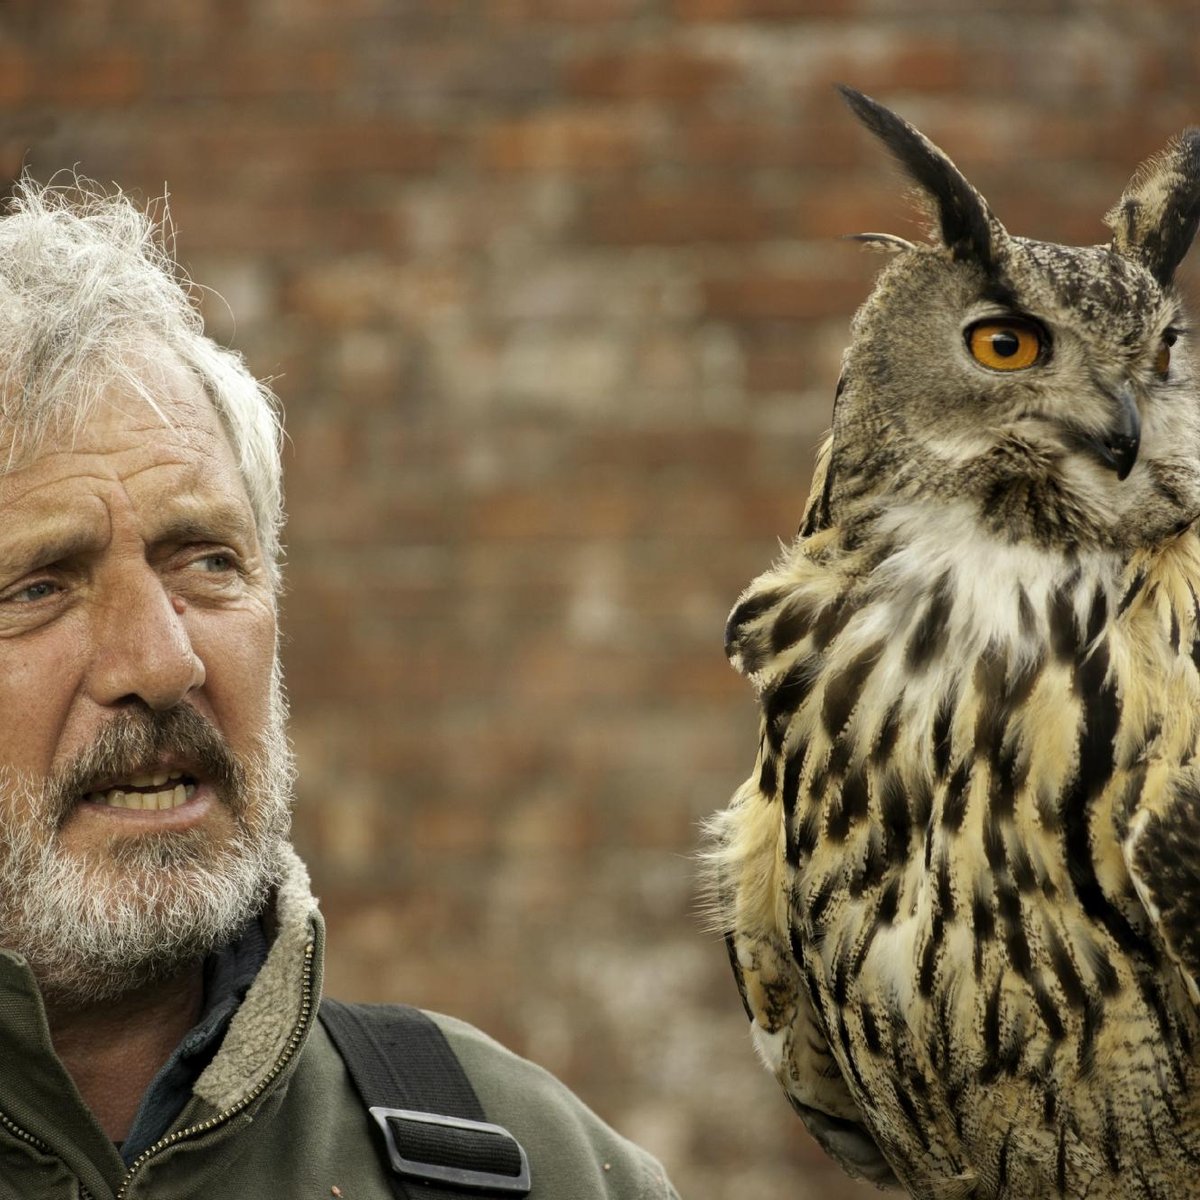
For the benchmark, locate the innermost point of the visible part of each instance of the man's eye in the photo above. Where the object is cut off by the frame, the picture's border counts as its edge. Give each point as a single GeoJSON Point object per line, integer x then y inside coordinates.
{"type": "Point", "coordinates": [31, 594]}
{"type": "Point", "coordinates": [218, 562]}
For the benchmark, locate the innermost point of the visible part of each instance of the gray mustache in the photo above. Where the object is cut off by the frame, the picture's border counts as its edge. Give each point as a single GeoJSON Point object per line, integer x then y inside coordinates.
{"type": "Point", "coordinates": [134, 742]}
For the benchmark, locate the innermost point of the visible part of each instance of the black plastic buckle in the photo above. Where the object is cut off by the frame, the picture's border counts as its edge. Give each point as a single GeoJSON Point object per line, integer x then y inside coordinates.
{"type": "Point", "coordinates": [463, 1177]}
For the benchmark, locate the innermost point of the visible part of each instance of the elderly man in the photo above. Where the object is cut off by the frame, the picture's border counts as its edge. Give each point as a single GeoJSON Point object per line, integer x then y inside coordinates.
{"type": "Point", "coordinates": [160, 977]}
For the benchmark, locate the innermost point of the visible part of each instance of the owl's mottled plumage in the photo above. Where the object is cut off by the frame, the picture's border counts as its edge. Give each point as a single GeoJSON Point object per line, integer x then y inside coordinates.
{"type": "Point", "coordinates": [962, 886]}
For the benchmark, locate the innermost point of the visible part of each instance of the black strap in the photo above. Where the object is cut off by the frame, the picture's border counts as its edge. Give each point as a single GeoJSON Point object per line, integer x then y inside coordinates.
{"type": "Point", "coordinates": [431, 1126]}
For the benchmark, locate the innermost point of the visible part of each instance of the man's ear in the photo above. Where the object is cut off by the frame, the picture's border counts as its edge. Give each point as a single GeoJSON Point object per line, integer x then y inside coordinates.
{"type": "Point", "coordinates": [1155, 220]}
{"type": "Point", "coordinates": [968, 229]}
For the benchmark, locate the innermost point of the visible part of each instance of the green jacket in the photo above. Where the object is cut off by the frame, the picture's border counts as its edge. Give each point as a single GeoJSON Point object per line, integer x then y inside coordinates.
{"type": "Point", "coordinates": [274, 1114]}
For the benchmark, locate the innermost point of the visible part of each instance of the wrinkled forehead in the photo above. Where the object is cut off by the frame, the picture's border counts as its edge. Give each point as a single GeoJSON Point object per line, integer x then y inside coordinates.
{"type": "Point", "coordinates": [149, 383]}
{"type": "Point", "coordinates": [1095, 283]}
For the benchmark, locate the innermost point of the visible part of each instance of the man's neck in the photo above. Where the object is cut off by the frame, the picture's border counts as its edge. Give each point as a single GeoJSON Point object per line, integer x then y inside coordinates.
{"type": "Point", "coordinates": [113, 1050]}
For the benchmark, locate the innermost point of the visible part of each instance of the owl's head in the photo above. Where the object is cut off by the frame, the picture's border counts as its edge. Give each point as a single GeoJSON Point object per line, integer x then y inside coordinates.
{"type": "Point", "coordinates": [1048, 387]}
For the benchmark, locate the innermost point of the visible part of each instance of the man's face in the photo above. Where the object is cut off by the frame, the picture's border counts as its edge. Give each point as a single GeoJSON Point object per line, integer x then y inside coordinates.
{"type": "Point", "coordinates": [143, 766]}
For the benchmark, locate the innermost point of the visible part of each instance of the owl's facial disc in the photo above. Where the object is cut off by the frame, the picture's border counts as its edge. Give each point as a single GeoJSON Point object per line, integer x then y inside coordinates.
{"type": "Point", "coordinates": [1014, 343]}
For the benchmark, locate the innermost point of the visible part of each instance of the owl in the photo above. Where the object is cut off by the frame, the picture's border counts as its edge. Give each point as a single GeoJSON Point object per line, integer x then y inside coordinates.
{"type": "Point", "coordinates": [961, 887]}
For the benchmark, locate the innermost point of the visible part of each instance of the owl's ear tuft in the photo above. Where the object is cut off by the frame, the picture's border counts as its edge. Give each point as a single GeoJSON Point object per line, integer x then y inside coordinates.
{"type": "Point", "coordinates": [1155, 220]}
{"type": "Point", "coordinates": [968, 229]}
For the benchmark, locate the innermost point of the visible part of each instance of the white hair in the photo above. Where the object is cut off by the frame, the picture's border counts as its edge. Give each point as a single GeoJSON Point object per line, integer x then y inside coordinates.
{"type": "Point", "coordinates": [89, 294]}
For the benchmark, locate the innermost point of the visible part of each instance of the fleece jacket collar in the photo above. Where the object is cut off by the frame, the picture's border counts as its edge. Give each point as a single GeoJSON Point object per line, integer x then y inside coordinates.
{"type": "Point", "coordinates": [40, 1103]}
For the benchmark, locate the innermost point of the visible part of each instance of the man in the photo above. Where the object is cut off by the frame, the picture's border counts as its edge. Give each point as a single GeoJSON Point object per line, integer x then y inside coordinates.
{"type": "Point", "coordinates": [161, 963]}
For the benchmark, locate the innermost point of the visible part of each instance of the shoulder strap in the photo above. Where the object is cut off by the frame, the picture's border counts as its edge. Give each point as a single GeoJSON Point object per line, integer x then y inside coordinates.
{"type": "Point", "coordinates": [433, 1130]}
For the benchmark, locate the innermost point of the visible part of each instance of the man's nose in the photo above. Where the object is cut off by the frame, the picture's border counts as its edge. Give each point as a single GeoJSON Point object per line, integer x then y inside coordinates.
{"type": "Point", "coordinates": [141, 647]}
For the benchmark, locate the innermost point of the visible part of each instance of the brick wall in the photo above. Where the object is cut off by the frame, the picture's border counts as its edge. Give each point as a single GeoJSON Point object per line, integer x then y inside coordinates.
{"type": "Point", "coordinates": [553, 294]}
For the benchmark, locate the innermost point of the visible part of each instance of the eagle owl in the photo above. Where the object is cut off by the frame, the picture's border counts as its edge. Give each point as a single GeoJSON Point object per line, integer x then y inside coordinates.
{"type": "Point", "coordinates": [961, 888]}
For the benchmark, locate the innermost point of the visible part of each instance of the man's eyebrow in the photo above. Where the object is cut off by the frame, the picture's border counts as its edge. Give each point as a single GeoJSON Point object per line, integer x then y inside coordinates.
{"type": "Point", "coordinates": [34, 553]}
{"type": "Point", "coordinates": [213, 523]}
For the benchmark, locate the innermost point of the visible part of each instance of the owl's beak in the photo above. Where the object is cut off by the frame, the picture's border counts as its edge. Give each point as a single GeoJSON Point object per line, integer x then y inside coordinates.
{"type": "Point", "coordinates": [1117, 447]}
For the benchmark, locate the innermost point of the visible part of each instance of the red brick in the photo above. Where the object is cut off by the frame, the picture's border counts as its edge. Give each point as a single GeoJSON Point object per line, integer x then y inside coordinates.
{"type": "Point", "coordinates": [521, 514]}
{"type": "Point", "coordinates": [646, 73]}
{"type": "Point", "coordinates": [697, 677]}
{"type": "Point", "coordinates": [105, 77]}
{"type": "Point", "coordinates": [542, 825]}
{"type": "Point", "coordinates": [563, 139]}
{"type": "Point", "coordinates": [678, 217]}
{"type": "Point", "coordinates": [231, 225]}
{"type": "Point", "coordinates": [857, 204]}
{"type": "Point", "coordinates": [440, 830]}
{"type": "Point", "coordinates": [279, 227]}
{"type": "Point", "coordinates": [18, 73]}
{"type": "Point", "coordinates": [781, 297]}
{"type": "Point", "coordinates": [248, 72]}
{"type": "Point", "coordinates": [351, 291]}
{"type": "Point", "coordinates": [282, 153]}
{"type": "Point", "coordinates": [759, 10]}
{"type": "Point", "coordinates": [764, 141]}
{"type": "Point", "coordinates": [517, 13]}
{"type": "Point", "coordinates": [441, 66]}
{"type": "Point", "coordinates": [898, 64]}
{"type": "Point", "coordinates": [722, 454]}
{"type": "Point", "coordinates": [350, 146]}
{"type": "Point", "coordinates": [778, 367]}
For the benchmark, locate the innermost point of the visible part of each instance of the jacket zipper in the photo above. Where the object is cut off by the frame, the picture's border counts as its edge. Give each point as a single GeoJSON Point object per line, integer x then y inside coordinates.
{"type": "Point", "coordinates": [282, 1061]}
{"type": "Point", "coordinates": [18, 1132]}
{"type": "Point", "coordinates": [25, 1136]}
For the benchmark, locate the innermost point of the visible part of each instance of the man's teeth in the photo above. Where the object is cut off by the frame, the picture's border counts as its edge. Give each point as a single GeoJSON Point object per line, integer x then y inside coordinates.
{"type": "Point", "coordinates": [156, 780]}
{"type": "Point", "coordinates": [161, 798]}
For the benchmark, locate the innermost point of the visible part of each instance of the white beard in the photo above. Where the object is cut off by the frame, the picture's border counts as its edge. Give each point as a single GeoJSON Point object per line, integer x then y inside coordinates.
{"type": "Point", "coordinates": [97, 926]}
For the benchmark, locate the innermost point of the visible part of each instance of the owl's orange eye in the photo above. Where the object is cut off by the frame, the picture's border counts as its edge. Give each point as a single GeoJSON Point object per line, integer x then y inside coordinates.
{"type": "Point", "coordinates": [1005, 345]}
{"type": "Point", "coordinates": [1162, 360]}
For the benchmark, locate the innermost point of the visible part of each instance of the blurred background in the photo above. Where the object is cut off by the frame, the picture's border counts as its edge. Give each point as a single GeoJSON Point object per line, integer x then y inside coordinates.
{"type": "Point", "coordinates": [553, 295]}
